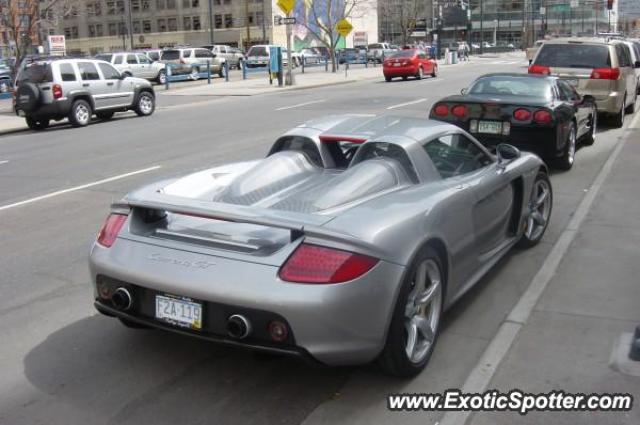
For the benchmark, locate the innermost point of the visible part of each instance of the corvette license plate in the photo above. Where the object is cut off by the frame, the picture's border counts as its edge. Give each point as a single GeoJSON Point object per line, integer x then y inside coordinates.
{"type": "Point", "coordinates": [491, 127]}
{"type": "Point", "coordinates": [179, 312]}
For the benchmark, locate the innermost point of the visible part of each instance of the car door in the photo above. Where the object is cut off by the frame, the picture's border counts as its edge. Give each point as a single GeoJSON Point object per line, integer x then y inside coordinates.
{"type": "Point", "coordinates": [573, 107]}
{"type": "Point", "coordinates": [93, 84]}
{"type": "Point", "coordinates": [118, 61]}
{"type": "Point", "coordinates": [458, 157]}
{"type": "Point", "coordinates": [145, 69]}
{"type": "Point", "coordinates": [119, 92]}
{"type": "Point", "coordinates": [132, 64]}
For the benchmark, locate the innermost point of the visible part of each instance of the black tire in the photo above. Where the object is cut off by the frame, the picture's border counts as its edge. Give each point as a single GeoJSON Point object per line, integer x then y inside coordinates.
{"type": "Point", "coordinates": [394, 359]}
{"type": "Point", "coordinates": [632, 107]}
{"type": "Point", "coordinates": [162, 77]}
{"type": "Point", "coordinates": [420, 74]}
{"type": "Point", "coordinates": [28, 97]}
{"type": "Point", "coordinates": [145, 104]}
{"type": "Point", "coordinates": [37, 124]}
{"type": "Point", "coordinates": [617, 120]}
{"type": "Point", "coordinates": [80, 114]}
{"type": "Point", "coordinates": [131, 324]}
{"type": "Point", "coordinates": [590, 138]}
{"type": "Point", "coordinates": [405, 78]}
{"type": "Point", "coordinates": [434, 74]}
{"type": "Point", "coordinates": [527, 240]}
{"type": "Point", "coordinates": [387, 79]}
{"type": "Point", "coordinates": [567, 158]}
{"type": "Point", "coordinates": [105, 116]}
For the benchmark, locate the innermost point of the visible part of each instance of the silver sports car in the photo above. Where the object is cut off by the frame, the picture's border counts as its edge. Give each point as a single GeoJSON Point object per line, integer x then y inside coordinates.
{"type": "Point", "coordinates": [344, 245]}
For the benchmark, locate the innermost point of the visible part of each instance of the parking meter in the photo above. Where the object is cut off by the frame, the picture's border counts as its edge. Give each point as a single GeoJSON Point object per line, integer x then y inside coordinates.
{"type": "Point", "coordinates": [275, 63]}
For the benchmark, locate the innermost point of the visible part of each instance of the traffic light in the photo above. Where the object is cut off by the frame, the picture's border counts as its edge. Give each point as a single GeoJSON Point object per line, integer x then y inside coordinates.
{"type": "Point", "coordinates": [609, 4]}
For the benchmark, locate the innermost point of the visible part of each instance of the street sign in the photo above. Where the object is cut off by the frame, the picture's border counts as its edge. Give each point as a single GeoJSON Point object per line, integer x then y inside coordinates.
{"type": "Point", "coordinates": [543, 10]}
{"type": "Point", "coordinates": [344, 27]}
{"type": "Point", "coordinates": [286, 5]}
{"type": "Point", "coordinates": [281, 20]}
{"type": "Point", "coordinates": [57, 45]}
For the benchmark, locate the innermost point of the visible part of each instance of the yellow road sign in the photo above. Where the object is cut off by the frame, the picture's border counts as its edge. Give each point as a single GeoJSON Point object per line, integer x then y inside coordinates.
{"type": "Point", "coordinates": [344, 27]}
{"type": "Point", "coordinates": [286, 5]}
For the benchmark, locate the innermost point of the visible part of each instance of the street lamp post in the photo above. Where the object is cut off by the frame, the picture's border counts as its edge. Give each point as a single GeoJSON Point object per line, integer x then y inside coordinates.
{"type": "Point", "coordinates": [130, 23]}
{"type": "Point", "coordinates": [211, 38]}
{"type": "Point", "coordinates": [481, 28]}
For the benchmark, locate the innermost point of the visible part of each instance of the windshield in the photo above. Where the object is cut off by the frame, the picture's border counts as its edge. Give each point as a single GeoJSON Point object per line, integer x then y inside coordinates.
{"type": "Point", "coordinates": [36, 73]}
{"type": "Point", "coordinates": [516, 86]}
{"type": "Point", "coordinates": [170, 55]}
{"type": "Point", "coordinates": [574, 56]}
{"type": "Point", "coordinates": [258, 51]}
{"type": "Point", "coordinates": [104, 57]}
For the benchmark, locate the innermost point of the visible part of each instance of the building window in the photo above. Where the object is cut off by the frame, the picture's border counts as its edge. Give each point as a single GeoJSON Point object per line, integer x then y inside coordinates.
{"type": "Point", "coordinates": [74, 32]}
{"type": "Point", "coordinates": [186, 4]}
{"type": "Point", "coordinates": [92, 30]}
{"type": "Point", "coordinates": [135, 6]}
{"type": "Point", "coordinates": [196, 23]}
{"type": "Point", "coordinates": [136, 27]}
{"type": "Point", "coordinates": [99, 32]}
{"type": "Point", "coordinates": [250, 17]}
{"type": "Point", "coordinates": [218, 21]}
{"type": "Point", "coordinates": [162, 25]}
{"type": "Point", "coordinates": [171, 4]}
{"type": "Point", "coordinates": [113, 29]}
{"type": "Point", "coordinates": [146, 27]}
{"type": "Point", "coordinates": [186, 23]}
{"type": "Point", "coordinates": [227, 1]}
{"type": "Point", "coordinates": [120, 6]}
{"type": "Point", "coordinates": [172, 23]}
{"type": "Point", "coordinates": [145, 5]}
{"type": "Point", "coordinates": [228, 20]}
{"type": "Point", "coordinates": [121, 28]}
{"type": "Point", "coordinates": [195, 3]}
{"type": "Point", "coordinates": [216, 2]}
{"type": "Point", "coordinates": [111, 8]}
{"type": "Point", "coordinates": [67, 32]}
{"type": "Point", "coordinates": [160, 4]}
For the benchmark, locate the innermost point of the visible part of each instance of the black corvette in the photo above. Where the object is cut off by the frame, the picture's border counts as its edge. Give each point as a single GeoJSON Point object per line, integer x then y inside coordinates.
{"type": "Point", "coordinates": [541, 114]}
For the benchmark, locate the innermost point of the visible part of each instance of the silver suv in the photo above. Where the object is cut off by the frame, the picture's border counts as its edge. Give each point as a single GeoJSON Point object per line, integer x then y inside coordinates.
{"type": "Point", "coordinates": [192, 61]}
{"type": "Point", "coordinates": [54, 89]}
{"type": "Point", "coordinates": [597, 67]}
{"type": "Point", "coordinates": [232, 55]}
{"type": "Point", "coordinates": [136, 65]}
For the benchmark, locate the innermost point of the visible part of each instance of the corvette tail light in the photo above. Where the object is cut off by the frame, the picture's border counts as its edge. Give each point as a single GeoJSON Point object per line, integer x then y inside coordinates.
{"type": "Point", "coordinates": [522, 114]}
{"type": "Point", "coordinates": [459, 111]}
{"type": "Point", "coordinates": [539, 69]}
{"type": "Point", "coordinates": [57, 91]}
{"type": "Point", "coordinates": [605, 74]}
{"type": "Point", "coordinates": [110, 229]}
{"type": "Point", "coordinates": [318, 264]}
{"type": "Point", "coordinates": [542, 117]}
{"type": "Point", "coordinates": [441, 110]}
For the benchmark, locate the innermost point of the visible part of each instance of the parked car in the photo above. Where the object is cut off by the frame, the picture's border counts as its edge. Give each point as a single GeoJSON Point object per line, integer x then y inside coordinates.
{"type": "Point", "coordinates": [376, 52]}
{"type": "Point", "coordinates": [531, 51]}
{"type": "Point", "coordinates": [541, 114]}
{"type": "Point", "coordinates": [76, 89]}
{"type": "Point", "coordinates": [597, 67]}
{"type": "Point", "coordinates": [232, 55]}
{"type": "Point", "coordinates": [323, 250]}
{"type": "Point", "coordinates": [258, 56]}
{"type": "Point", "coordinates": [310, 57]}
{"type": "Point", "coordinates": [192, 61]}
{"type": "Point", "coordinates": [6, 75]}
{"type": "Point", "coordinates": [136, 65]}
{"type": "Point", "coordinates": [350, 55]}
{"type": "Point", "coordinates": [153, 54]}
{"type": "Point", "coordinates": [634, 50]}
{"type": "Point", "coordinates": [409, 63]}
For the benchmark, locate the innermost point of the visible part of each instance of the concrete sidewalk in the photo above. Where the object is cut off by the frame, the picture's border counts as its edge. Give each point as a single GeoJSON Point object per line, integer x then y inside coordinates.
{"type": "Point", "coordinates": [576, 338]}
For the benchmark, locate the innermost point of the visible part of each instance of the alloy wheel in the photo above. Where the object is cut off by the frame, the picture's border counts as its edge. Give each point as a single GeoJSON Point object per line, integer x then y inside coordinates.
{"type": "Point", "coordinates": [82, 114]}
{"type": "Point", "coordinates": [422, 311]}
{"type": "Point", "coordinates": [539, 209]}
{"type": "Point", "coordinates": [145, 104]}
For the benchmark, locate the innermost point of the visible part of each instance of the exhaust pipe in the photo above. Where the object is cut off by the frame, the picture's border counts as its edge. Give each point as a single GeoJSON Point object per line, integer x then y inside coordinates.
{"type": "Point", "coordinates": [121, 299]}
{"type": "Point", "coordinates": [238, 327]}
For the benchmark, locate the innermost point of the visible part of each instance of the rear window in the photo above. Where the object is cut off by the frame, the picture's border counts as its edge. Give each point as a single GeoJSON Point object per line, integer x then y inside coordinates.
{"type": "Point", "coordinates": [154, 56]}
{"type": "Point", "coordinates": [170, 55]}
{"type": "Point", "coordinates": [37, 73]}
{"type": "Point", "coordinates": [574, 56]}
{"type": "Point", "coordinates": [514, 86]}
{"type": "Point", "coordinates": [258, 51]}
{"type": "Point", "coordinates": [404, 54]}
{"type": "Point", "coordinates": [375, 46]}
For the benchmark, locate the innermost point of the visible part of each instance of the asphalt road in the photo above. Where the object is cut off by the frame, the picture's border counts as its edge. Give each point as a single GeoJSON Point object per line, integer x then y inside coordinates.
{"type": "Point", "coordinates": [61, 363]}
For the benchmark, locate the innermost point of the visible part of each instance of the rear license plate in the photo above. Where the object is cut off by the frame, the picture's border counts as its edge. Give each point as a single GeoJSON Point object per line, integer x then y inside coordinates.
{"type": "Point", "coordinates": [179, 312]}
{"type": "Point", "coordinates": [491, 127]}
{"type": "Point", "coordinates": [396, 64]}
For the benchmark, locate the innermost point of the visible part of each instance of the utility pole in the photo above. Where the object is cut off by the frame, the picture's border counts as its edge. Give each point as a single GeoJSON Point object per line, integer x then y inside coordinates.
{"type": "Point", "coordinates": [130, 19]}
{"type": "Point", "coordinates": [481, 28]}
{"type": "Point", "coordinates": [211, 38]}
{"type": "Point", "coordinates": [264, 25]}
{"type": "Point", "coordinates": [246, 14]}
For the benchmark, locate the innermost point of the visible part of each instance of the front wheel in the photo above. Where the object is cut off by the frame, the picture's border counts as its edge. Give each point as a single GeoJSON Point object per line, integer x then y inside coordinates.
{"type": "Point", "coordinates": [80, 115]}
{"type": "Point", "coordinates": [538, 211]}
{"type": "Point", "coordinates": [566, 160]}
{"type": "Point", "coordinates": [162, 77]}
{"type": "Point", "coordinates": [37, 124]}
{"type": "Point", "coordinates": [387, 79]}
{"type": "Point", "coordinates": [415, 323]}
{"type": "Point", "coordinates": [145, 104]}
{"type": "Point", "coordinates": [420, 74]}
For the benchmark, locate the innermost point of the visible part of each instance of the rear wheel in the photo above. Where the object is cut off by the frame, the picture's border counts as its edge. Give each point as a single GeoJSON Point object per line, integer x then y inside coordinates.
{"type": "Point", "coordinates": [420, 73]}
{"type": "Point", "coordinates": [538, 211]}
{"type": "Point", "coordinates": [105, 116]}
{"type": "Point", "coordinates": [80, 113]}
{"type": "Point", "coordinates": [566, 160]}
{"type": "Point", "coordinates": [405, 78]}
{"type": "Point", "coordinates": [618, 119]}
{"type": "Point", "coordinates": [37, 124]}
{"type": "Point", "coordinates": [590, 138]}
{"type": "Point", "coordinates": [434, 73]}
{"type": "Point", "coordinates": [387, 79]}
{"type": "Point", "coordinates": [415, 323]}
{"type": "Point", "coordinates": [632, 107]}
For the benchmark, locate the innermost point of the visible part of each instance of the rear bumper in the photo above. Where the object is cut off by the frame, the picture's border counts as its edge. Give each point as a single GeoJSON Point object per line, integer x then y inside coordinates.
{"type": "Point", "coordinates": [56, 109]}
{"type": "Point", "coordinates": [400, 71]}
{"type": "Point", "coordinates": [337, 324]}
{"type": "Point", "coordinates": [610, 103]}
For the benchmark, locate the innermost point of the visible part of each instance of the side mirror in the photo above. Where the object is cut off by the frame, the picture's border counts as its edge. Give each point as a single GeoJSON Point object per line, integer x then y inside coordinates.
{"type": "Point", "coordinates": [463, 91]}
{"type": "Point", "coordinates": [506, 153]}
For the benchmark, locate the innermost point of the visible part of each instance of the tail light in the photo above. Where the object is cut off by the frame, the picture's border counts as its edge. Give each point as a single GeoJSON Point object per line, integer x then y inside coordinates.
{"type": "Point", "coordinates": [605, 74]}
{"type": "Point", "coordinates": [318, 264]}
{"type": "Point", "coordinates": [441, 110]}
{"type": "Point", "coordinates": [522, 114]}
{"type": "Point", "coordinates": [542, 117]}
{"type": "Point", "coordinates": [57, 91]}
{"type": "Point", "coordinates": [110, 229]}
{"type": "Point", "coordinates": [539, 69]}
{"type": "Point", "coordinates": [459, 111]}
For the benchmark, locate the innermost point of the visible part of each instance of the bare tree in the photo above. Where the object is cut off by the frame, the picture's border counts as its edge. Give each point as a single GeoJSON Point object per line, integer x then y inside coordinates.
{"type": "Point", "coordinates": [403, 15]}
{"type": "Point", "coordinates": [22, 20]}
{"type": "Point", "coordinates": [322, 17]}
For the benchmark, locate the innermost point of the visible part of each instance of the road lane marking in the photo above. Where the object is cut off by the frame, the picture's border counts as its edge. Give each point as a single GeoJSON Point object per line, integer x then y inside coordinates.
{"type": "Point", "coordinates": [300, 104]}
{"type": "Point", "coordinates": [431, 80]}
{"type": "Point", "coordinates": [76, 188]}
{"type": "Point", "coordinates": [4, 162]}
{"type": "Point", "coordinates": [413, 102]}
{"type": "Point", "coordinates": [482, 373]}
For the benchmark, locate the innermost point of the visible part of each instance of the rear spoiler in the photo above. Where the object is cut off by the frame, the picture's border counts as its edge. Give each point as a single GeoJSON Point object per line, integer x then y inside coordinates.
{"type": "Point", "coordinates": [299, 224]}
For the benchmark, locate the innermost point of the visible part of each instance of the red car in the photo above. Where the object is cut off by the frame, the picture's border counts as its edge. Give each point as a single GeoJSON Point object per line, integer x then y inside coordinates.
{"type": "Point", "coordinates": [409, 63]}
